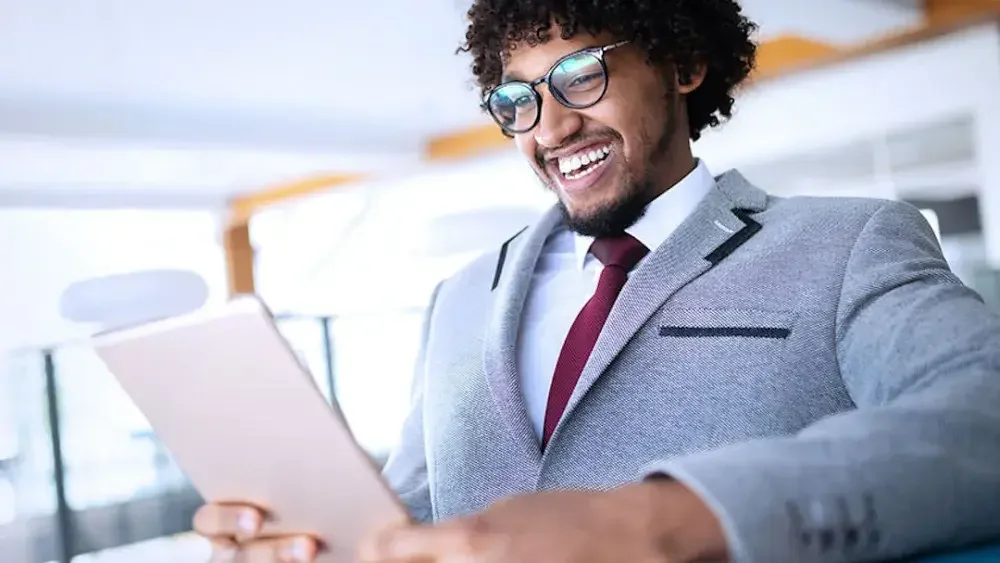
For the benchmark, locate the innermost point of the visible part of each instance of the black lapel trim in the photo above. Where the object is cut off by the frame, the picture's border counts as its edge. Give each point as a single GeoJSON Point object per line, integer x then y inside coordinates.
{"type": "Point", "coordinates": [750, 228]}
{"type": "Point", "coordinates": [503, 258]}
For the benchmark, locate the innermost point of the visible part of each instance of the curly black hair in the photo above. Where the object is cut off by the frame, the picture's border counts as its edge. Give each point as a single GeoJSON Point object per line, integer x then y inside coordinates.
{"type": "Point", "coordinates": [687, 33]}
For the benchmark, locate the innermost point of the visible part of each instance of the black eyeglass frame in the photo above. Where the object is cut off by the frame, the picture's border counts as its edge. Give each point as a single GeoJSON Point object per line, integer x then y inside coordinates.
{"type": "Point", "coordinates": [596, 52]}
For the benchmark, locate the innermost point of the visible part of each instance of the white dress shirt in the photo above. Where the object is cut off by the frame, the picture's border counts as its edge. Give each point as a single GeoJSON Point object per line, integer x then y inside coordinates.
{"type": "Point", "coordinates": [566, 276]}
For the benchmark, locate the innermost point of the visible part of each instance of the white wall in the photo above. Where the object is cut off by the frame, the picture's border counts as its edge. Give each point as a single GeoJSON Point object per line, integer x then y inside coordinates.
{"type": "Point", "coordinates": [903, 87]}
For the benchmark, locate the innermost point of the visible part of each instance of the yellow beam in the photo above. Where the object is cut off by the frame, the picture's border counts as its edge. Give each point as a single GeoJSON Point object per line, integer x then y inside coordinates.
{"type": "Point", "coordinates": [242, 207]}
{"type": "Point", "coordinates": [239, 259]}
{"type": "Point", "coordinates": [467, 143]}
{"type": "Point", "coordinates": [781, 54]}
{"type": "Point", "coordinates": [938, 12]}
{"type": "Point", "coordinates": [239, 252]}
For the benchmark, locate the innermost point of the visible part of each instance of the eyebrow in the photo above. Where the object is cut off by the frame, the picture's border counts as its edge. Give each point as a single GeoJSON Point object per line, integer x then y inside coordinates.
{"type": "Point", "coordinates": [505, 77]}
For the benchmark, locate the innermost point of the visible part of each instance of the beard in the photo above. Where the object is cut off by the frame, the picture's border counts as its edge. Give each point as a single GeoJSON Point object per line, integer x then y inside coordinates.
{"type": "Point", "coordinates": [614, 217]}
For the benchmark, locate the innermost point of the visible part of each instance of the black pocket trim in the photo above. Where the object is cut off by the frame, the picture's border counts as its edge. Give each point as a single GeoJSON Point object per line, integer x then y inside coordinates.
{"type": "Point", "coordinates": [726, 331]}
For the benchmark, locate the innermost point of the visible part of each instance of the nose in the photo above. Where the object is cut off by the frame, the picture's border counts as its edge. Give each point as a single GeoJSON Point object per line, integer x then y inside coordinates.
{"type": "Point", "coordinates": [556, 122]}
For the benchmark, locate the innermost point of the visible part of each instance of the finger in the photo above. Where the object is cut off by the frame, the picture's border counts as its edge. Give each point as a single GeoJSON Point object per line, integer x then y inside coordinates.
{"type": "Point", "coordinates": [419, 544]}
{"type": "Point", "coordinates": [228, 521]}
{"type": "Point", "coordinates": [223, 551]}
{"type": "Point", "coordinates": [294, 549]}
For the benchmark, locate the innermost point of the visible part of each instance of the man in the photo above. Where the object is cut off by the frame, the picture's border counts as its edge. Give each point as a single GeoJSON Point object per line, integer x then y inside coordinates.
{"type": "Point", "coordinates": [779, 379]}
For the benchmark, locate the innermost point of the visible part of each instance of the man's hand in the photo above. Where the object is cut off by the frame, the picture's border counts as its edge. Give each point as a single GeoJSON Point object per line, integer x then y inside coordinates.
{"type": "Point", "coordinates": [651, 522]}
{"type": "Point", "coordinates": [234, 531]}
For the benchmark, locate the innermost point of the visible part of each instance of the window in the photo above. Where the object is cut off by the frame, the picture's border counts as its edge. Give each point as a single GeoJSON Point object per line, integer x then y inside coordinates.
{"type": "Point", "coordinates": [374, 355]}
{"type": "Point", "coordinates": [26, 466]}
{"type": "Point", "coordinates": [109, 450]}
{"type": "Point", "coordinates": [307, 337]}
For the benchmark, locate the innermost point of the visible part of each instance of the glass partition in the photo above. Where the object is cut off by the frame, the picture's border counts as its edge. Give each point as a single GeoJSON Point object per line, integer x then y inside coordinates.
{"type": "Point", "coordinates": [109, 451]}
{"type": "Point", "coordinates": [374, 358]}
{"type": "Point", "coordinates": [309, 337]}
{"type": "Point", "coordinates": [28, 505]}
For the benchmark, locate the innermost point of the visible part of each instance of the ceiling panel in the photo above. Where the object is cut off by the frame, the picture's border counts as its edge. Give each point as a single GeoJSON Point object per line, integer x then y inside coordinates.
{"type": "Point", "coordinates": [342, 62]}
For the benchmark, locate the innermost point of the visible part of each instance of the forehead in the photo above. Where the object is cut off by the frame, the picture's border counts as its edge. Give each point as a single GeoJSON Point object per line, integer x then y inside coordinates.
{"type": "Point", "coordinates": [527, 62]}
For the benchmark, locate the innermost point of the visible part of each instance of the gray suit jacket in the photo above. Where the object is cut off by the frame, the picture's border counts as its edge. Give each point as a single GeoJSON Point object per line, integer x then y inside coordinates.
{"type": "Point", "coordinates": [810, 366]}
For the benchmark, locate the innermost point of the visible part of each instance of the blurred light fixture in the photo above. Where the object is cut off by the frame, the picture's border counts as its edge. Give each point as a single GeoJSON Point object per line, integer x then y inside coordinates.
{"type": "Point", "coordinates": [133, 298]}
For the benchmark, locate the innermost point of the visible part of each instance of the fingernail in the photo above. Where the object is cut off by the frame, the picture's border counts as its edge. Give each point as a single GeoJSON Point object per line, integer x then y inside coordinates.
{"type": "Point", "coordinates": [297, 551]}
{"type": "Point", "coordinates": [248, 522]}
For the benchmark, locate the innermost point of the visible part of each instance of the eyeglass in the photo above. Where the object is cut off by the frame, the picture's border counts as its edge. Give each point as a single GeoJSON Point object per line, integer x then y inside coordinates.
{"type": "Point", "coordinates": [578, 81]}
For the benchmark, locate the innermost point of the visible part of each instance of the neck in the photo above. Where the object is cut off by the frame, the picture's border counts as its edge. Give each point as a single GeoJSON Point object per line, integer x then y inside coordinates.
{"type": "Point", "coordinates": [675, 168]}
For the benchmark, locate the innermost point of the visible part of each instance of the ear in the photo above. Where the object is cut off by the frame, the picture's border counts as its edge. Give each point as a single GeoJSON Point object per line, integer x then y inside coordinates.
{"type": "Point", "coordinates": [696, 78]}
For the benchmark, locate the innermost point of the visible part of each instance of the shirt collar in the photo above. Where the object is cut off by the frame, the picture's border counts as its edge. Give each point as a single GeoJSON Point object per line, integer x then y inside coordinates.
{"type": "Point", "coordinates": [663, 215]}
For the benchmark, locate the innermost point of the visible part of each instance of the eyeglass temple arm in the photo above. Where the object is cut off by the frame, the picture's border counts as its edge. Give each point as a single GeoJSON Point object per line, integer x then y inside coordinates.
{"type": "Point", "coordinates": [607, 48]}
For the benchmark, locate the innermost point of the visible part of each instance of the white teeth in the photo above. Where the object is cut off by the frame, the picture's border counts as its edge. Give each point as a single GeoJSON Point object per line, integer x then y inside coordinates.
{"type": "Point", "coordinates": [567, 165]}
{"type": "Point", "coordinates": [577, 175]}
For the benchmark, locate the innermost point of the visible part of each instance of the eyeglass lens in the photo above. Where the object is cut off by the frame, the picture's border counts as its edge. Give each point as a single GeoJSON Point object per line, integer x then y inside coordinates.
{"type": "Point", "coordinates": [577, 82]}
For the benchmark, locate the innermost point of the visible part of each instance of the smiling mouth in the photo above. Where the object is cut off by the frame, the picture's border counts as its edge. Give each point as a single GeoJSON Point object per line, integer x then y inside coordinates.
{"type": "Point", "coordinates": [584, 163]}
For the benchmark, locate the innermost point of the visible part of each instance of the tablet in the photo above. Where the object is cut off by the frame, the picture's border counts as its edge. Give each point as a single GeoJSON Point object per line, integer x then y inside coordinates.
{"type": "Point", "coordinates": [244, 420]}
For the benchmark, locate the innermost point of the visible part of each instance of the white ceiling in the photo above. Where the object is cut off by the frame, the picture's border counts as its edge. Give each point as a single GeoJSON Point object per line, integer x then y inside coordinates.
{"type": "Point", "coordinates": [316, 67]}
{"type": "Point", "coordinates": [331, 81]}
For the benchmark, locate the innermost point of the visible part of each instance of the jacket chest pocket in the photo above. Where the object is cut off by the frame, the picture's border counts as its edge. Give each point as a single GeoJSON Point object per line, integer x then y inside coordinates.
{"type": "Point", "coordinates": [730, 325]}
{"type": "Point", "coordinates": [727, 346]}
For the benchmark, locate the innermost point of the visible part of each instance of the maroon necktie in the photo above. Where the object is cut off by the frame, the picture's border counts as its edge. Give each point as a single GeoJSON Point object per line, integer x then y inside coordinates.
{"type": "Point", "coordinates": [619, 255]}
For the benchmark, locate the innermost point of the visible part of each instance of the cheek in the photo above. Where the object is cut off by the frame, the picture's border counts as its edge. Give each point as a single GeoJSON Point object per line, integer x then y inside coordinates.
{"type": "Point", "coordinates": [526, 145]}
{"type": "Point", "coordinates": [634, 116]}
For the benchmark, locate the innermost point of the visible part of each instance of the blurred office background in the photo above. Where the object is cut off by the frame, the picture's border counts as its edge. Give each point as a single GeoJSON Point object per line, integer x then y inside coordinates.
{"type": "Point", "coordinates": [330, 156]}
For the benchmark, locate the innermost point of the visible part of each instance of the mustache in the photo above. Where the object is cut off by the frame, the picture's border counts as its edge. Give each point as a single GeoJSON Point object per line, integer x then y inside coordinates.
{"type": "Point", "coordinates": [542, 155]}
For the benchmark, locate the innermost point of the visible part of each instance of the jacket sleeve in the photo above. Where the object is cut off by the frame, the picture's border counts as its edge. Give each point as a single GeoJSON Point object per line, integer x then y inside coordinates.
{"type": "Point", "coordinates": [406, 468]}
{"type": "Point", "coordinates": [916, 467]}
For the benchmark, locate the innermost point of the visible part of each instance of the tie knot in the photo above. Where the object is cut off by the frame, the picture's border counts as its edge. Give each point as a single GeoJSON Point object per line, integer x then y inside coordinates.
{"type": "Point", "coordinates": [622, 251]}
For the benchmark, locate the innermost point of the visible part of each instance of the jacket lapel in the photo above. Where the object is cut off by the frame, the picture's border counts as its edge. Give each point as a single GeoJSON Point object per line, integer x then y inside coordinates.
{"type": "Point", "coordinates": [511, 281]}
{"type": "Point", "coordinates": [717, 228]}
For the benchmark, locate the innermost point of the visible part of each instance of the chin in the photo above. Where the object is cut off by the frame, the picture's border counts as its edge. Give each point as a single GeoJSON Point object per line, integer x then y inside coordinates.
{"type": "Point", "coordinates": [610, 215]}
{"type": "Point", "coordinates": [588, 214]}
{"type": "Point", "coordinates": [595, 201]}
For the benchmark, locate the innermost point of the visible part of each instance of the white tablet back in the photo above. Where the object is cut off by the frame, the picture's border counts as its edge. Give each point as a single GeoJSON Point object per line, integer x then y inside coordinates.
{"type": "Point", "coordinates": [228, 397]}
